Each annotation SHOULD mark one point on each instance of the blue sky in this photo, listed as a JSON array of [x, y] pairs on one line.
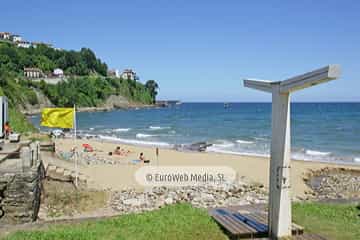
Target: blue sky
[[200, 50]]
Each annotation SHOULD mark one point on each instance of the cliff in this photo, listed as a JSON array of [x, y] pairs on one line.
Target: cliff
[[86, 83]]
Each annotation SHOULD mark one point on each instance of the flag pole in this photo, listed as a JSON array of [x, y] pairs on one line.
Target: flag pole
[[75, 153]]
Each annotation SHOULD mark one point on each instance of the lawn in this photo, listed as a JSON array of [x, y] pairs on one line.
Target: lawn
[[173, 222], [333, 221], [185, 222]]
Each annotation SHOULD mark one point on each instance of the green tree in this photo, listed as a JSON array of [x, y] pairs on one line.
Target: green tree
[[152, 86]]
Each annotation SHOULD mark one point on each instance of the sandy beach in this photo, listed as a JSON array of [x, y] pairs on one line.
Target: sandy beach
[[120, 176]]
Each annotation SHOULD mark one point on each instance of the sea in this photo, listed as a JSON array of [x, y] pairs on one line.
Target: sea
[[325, 132]]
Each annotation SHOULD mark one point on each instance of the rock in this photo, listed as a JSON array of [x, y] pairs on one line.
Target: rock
[[202, 196], [169, 201], [334, 183], [207, 197], [133, 202]]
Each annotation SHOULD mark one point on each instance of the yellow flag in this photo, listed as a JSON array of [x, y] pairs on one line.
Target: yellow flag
[[57, 117]]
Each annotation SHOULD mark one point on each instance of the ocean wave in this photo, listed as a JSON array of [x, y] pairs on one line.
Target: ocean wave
[[91, 129], [262, 138], [142, 135], [244, 141], [357, 159], [121, 129], [134, 142], [219, 150], [155, 128], [317, 153], [223, 144]]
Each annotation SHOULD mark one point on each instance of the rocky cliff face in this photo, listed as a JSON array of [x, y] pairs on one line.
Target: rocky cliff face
[[118, 101], [43, 101]]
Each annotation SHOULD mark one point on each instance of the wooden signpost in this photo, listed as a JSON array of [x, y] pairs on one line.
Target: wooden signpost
[[279, 182]]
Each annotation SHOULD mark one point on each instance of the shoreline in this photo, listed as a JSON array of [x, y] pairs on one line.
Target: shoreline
[[121, 176], [97, 109], [164, 145]]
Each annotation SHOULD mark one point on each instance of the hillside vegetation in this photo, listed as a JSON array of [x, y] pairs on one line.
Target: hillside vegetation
[[79, 63], [86, 85]]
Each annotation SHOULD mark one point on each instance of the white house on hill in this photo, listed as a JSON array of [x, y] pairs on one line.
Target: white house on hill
[[23, 44], [16, 38], [5, 35], [33, 73], [58, 72], [128, 74], [114, 73]]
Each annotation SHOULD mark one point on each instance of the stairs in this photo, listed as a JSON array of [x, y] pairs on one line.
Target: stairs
[[62, 174]]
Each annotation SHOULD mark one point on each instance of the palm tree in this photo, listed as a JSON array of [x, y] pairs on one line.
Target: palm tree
[[152, 86]]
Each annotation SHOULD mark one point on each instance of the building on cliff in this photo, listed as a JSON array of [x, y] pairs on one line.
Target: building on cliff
[[129, 74], [5, 35], [33, 73]]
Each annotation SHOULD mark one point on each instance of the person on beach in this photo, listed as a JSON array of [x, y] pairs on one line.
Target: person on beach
[[118, 151], [7, 129], [142, 158], [121, 151]]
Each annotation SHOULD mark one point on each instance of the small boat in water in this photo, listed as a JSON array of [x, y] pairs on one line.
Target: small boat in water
[[226, 105]]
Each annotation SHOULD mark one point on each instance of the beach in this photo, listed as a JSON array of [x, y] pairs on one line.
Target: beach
[[117, 177]]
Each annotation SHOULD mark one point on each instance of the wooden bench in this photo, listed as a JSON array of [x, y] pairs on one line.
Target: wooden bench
[[245, 224], [250, 222]]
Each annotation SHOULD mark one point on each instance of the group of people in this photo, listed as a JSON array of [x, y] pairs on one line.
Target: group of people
[[123, 152]]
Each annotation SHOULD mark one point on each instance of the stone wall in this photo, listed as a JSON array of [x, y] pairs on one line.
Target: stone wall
[[20, 187]]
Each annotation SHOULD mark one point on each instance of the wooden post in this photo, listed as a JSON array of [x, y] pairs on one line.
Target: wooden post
[[279, 217]]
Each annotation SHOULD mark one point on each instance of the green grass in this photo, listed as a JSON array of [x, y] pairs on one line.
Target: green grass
[[185, 222], [334, 221], [173, 222], [19, 123]]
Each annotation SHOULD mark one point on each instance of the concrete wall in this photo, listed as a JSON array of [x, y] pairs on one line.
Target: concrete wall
[[20, 186]]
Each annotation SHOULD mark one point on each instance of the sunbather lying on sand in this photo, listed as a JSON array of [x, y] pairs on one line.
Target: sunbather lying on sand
[[119, 151]]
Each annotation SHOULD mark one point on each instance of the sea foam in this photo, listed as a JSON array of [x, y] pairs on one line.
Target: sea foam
[[223, 144], [317, 153], [244, 141], [134, 142], [243, 153], [142, 135], [154, 128], [121, 129]]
